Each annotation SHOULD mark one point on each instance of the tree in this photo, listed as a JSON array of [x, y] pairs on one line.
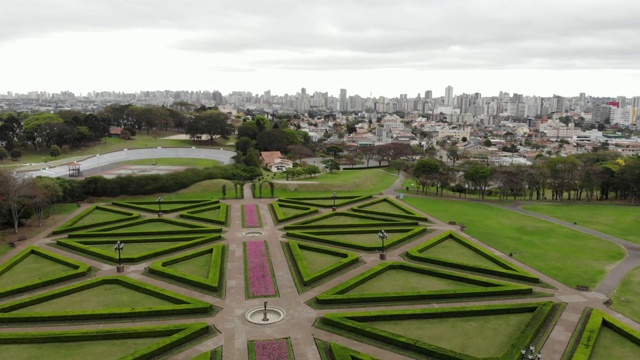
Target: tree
[[16, 191], [453, 154], [4, 154], [243, 145], [125, 135], [398, 165], [464, 139], [45, 192], [298, 151], [487, 143], [54, 151], [426, 171], [334, 150], [331, 165], [311, 170], [16, 154], [478, 175], [249, 130], [212, 123], [272, 140]]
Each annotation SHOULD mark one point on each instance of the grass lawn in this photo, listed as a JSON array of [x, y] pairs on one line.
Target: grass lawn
[[626, 298], [77, 350], [339, 219], [98, 216], [384, 207], [4, 248], [611, 345], [454, 251], [33, 268], [344, 182], [364, 239], [569, 256], [616, 220], [152, 226], [480, 336], [317, 261], [100, 297], [406, 281], [133, 249], [198, 266], [192, 162]]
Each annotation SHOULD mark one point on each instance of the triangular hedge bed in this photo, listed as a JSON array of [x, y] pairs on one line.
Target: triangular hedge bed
[[505, 268], [349, 220], [301, 268], [181, 304], [331, 237], [333, 351], [325, 201], [167, 206], [76, 269], [294, 211], [197, 214], [72, 225], [181, 227], [397, 209]]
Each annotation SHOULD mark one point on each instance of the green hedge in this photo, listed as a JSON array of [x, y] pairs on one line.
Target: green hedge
[[338, 294], [508, 269], [213, 282], [69, 225], [78, 269], [186, 227], [182, 305], [222, 219], [355, 325], [376, 221], [152, 205], [586, 334], [313, 200], [303, 271], [319, 236], [176, 335], [186, 241], [281, 217], [333, 351], [215, 354], [407, 213]]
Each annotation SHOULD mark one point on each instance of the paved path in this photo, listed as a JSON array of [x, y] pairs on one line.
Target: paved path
[[298, 324]]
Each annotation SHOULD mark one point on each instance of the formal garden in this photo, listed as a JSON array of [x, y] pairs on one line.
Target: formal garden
[[314, 275]]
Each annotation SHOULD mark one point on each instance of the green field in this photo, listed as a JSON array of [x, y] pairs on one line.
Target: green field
[[191, 162], [567, 255], [610, 345], [99, 216], [626, 298], [133, 249], [317, 261], [480, 336], [406, 281], [33, 268], [198, 266], [615, 220], [109, 296], [454, 251], [344, 182], [78, 350]]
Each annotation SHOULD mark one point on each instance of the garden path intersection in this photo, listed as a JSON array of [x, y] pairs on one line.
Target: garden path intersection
[[236, 331]]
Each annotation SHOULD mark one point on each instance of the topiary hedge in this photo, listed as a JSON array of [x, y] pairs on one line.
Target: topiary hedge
[[185, 241], [321, 236], [340, 295], [323, 201], [181, 305], [175, 336], [354, 325], [151, 205], [279, 216], [77, 269], [214, 280], [222, 219], [215, 354], [406, 213], [185, 228], [508, 269], [302, 269], [375, 221], [69, 225]]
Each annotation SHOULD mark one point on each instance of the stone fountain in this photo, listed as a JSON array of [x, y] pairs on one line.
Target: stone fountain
[[265, 315]]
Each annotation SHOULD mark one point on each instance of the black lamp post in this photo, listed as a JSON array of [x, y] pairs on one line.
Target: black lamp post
[[118, 247], [334, 196], [383, 236], [159, 201]]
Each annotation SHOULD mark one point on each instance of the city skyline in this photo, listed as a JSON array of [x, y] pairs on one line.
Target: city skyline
[[369, 48]]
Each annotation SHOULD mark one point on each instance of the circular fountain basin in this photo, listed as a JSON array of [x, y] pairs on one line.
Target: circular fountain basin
[[256, 315], [253, 233]]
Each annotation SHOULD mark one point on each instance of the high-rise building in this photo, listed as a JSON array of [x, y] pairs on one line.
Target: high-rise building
[[343, 100], [448, 96], [428, 95]]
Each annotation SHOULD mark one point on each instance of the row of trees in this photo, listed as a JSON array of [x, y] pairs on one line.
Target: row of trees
[[590, 176]]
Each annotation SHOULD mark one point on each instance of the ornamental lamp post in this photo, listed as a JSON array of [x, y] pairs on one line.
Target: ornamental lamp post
[[118, 247], [334, 196], [159, 201], [382, 235]]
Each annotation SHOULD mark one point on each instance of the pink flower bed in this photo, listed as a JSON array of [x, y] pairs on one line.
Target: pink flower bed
[[271, 350], [251, 218], [259, 269]]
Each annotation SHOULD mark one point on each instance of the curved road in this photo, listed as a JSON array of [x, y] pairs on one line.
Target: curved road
[[96, 161]]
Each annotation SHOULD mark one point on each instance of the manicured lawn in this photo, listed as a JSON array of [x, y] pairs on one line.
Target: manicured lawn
[[342, 220], [615, 220], [384, 207], [133, 249], [364, 239], [454, 251], [4, 248], [569, 256], [152, 226], [98, 216], [210, 214], [406, 281], [79, 350], [480, 336], [610, 345], [287, 211], [344, 182], [33, 268], [194, 162], [626, 298], [318, 261], [100, 297], [198, 266]]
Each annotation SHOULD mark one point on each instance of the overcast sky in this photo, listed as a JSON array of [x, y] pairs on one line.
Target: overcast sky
[[365, 46]]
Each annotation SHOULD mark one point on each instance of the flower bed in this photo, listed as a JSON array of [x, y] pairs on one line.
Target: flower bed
[[259, 279], [251, 216], [276, 349]]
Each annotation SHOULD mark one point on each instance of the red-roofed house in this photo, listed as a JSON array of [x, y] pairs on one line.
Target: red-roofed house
[[275, 162]]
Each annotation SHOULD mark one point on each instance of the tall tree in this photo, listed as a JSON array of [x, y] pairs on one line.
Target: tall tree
[[212, 123], [479, 175], [16, 191]]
